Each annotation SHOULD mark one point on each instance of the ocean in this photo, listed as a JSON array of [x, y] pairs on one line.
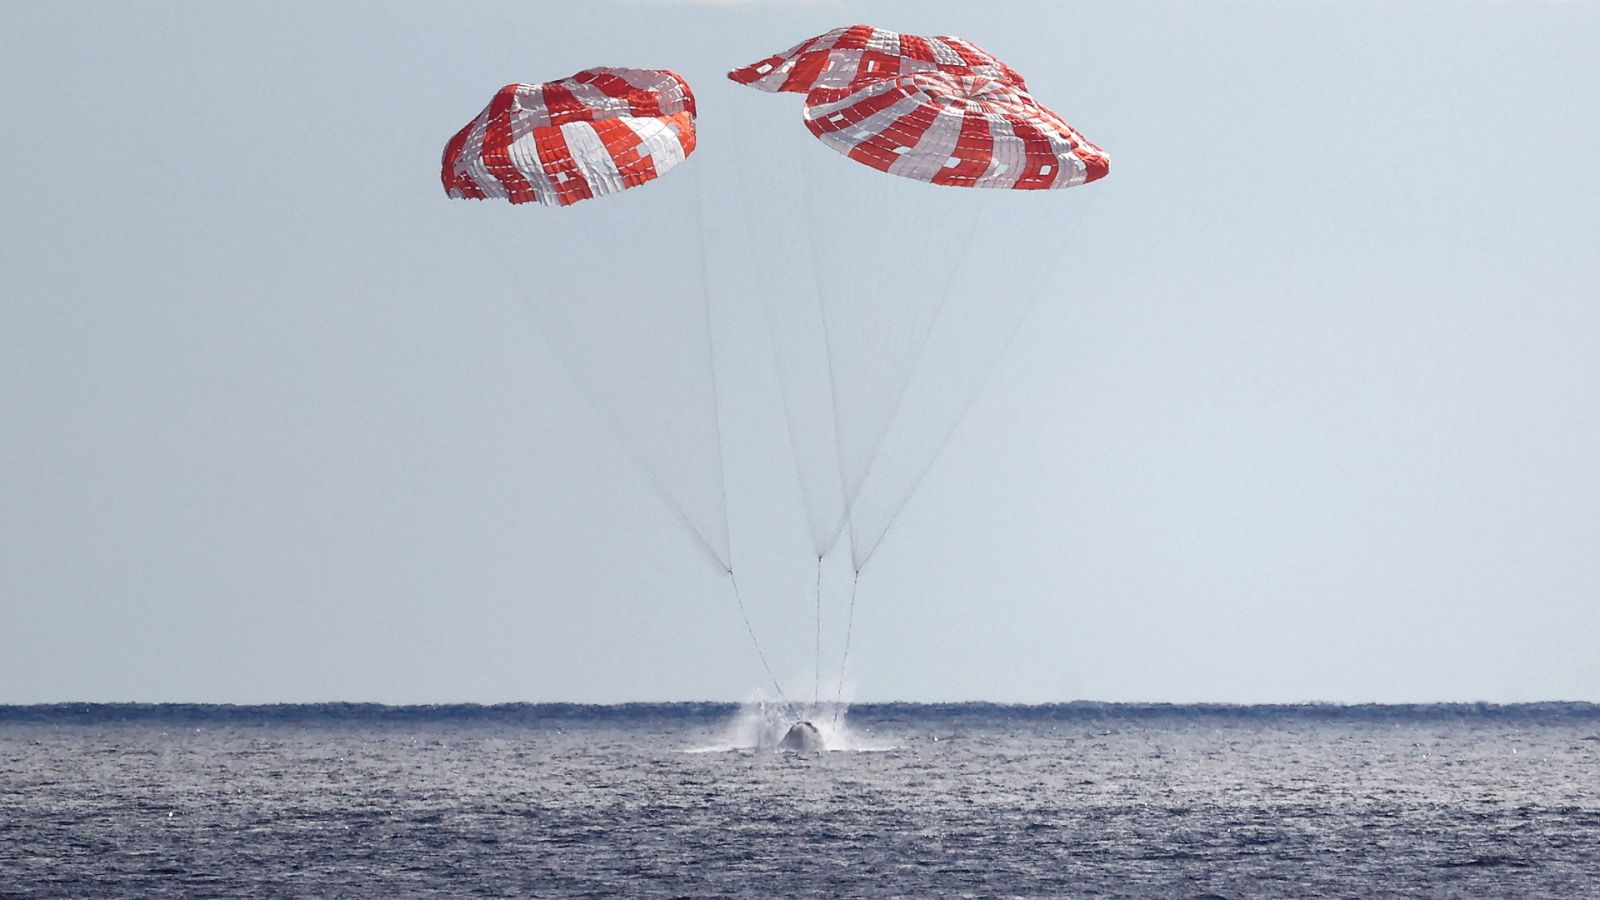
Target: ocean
[[695, 800]]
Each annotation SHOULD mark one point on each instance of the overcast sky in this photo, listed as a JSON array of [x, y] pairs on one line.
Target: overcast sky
[[1310, 412]]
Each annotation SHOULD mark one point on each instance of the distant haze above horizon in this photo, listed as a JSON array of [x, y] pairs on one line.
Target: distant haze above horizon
[[1311, 411]]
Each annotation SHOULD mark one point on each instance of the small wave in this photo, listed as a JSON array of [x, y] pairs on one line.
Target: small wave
[[1485, 862]]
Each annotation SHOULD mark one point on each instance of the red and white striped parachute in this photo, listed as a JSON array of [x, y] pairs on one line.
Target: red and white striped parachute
[[857, 53], [961, 130], [598, 132], [940, 110], [642, 366], [877, 371]]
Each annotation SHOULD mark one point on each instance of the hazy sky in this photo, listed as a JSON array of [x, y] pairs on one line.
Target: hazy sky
[[1315, 415]]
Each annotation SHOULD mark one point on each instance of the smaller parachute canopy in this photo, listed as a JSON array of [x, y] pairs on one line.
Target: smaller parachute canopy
[[858, 53], [600, 131], [959, 130]]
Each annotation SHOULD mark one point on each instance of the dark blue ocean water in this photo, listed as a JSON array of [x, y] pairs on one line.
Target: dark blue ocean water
[[693, 800]]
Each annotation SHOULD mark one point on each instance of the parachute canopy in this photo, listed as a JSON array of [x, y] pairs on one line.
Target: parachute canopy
[[962, 130], [940, 110], [601, 131], [636, 344], [845, 56]]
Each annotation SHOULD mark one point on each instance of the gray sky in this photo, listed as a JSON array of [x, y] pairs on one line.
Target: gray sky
[[1312, 412]]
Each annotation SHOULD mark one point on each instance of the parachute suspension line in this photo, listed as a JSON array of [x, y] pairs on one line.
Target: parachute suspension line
[[716, 414], [711, 356], [816, 688], [853, 493], [608, 421], [788, 425], [1011, 338], [833, 386], [849, 629], [743, 152], [750, 629]]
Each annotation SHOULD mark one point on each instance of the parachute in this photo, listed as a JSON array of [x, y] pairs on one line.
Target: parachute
[[636, 344], [960, 130], [605, 131], [939, 110], [598, 132], [913, 293]]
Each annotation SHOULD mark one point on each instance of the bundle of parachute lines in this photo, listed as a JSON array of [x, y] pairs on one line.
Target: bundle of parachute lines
[[934, 109]]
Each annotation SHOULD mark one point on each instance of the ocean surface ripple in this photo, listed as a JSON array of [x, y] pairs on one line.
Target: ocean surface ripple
[[694, 800]]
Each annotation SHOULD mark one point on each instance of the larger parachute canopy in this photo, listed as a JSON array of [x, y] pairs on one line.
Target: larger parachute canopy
[[961, 130], [598, 132], [940, 110], [857, 53]]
